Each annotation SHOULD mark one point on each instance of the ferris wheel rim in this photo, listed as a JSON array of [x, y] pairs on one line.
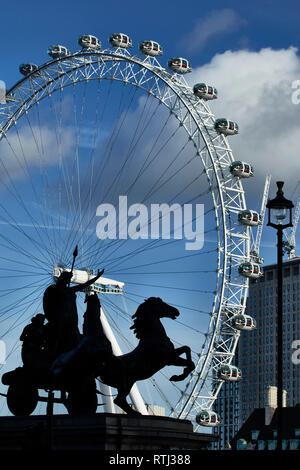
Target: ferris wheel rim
[[175, 84]]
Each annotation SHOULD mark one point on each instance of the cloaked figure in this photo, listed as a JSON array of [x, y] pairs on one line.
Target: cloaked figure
[[59, 303], [94, 350], [33, 341]]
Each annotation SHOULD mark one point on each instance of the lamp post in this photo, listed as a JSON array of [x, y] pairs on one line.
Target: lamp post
[[279, 209]]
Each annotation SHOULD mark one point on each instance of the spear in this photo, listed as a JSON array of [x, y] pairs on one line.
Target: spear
[[75, 253]]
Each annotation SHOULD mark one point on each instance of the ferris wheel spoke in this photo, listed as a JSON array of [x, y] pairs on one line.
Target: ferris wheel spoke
[[145, 160], [97, 125], [172, 287], [37, 226], [66, 197], [27, 302], [151, 246], [9, 220], [153, 242], [146, 164], [6, 292], [138, 296], [26, 171], [44, 215], [19, 315], [108, 152], [113, 243], [19, 249]]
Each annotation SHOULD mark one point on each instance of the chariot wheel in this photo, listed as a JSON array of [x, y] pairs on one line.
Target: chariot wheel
[[112, 152], [22, 399]]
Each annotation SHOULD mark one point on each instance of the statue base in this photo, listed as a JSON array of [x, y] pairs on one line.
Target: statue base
[[100, 432]]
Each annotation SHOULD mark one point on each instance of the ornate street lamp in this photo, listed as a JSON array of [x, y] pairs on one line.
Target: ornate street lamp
[[280, 211]]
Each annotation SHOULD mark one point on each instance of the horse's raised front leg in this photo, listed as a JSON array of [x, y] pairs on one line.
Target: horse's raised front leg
[[187, 363]]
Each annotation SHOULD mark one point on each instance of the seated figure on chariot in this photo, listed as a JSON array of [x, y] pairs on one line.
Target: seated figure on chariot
[[33, 340]]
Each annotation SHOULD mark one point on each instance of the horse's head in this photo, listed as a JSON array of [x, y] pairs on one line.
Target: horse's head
[[159, 308], [92, 305], [147, 316], [92, 322]]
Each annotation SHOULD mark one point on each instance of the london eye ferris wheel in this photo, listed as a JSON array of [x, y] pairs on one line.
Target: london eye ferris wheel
[[100, 126]]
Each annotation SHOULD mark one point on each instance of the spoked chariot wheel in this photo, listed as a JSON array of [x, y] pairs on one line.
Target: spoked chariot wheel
[[112, 152]]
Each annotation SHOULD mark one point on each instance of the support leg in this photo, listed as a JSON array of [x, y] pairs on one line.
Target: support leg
[[50, 418]]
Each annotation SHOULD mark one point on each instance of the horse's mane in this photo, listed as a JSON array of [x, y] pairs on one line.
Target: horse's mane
[[140, 316]]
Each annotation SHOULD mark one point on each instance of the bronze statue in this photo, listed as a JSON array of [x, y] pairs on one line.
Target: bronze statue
[[42, 344], [57, 357], [154, 351]]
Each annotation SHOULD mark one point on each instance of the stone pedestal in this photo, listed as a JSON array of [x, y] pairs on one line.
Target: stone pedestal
[[101, 432]]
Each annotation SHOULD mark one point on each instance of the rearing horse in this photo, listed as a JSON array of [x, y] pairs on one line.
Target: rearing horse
[[154, 351]]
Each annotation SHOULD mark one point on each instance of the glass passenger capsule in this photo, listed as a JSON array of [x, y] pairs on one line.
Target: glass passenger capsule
[[10, 97], [249, 217], [229, 373], [89, 42], [252, 270], [226, 127], [151, 48], [207, 418], [120, 40], [241, 169], [179, 65], [205, 92], [26, 69], [243, 322], [58, 51]]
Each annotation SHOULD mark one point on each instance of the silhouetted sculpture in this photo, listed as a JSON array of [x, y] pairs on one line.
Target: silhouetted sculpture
[[33, 340], [154, 351], [59, 303], [57, 357], [42, 344]]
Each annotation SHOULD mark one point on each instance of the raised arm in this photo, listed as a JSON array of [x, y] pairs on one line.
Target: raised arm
[[80, 287]]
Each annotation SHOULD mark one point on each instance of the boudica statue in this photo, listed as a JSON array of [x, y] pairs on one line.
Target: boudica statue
[[57, 357]]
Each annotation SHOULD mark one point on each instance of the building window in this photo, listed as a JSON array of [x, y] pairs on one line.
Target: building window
[[269, 275], [286, 272], [261, 445], [296, 270], [254, 435], [294, 443]]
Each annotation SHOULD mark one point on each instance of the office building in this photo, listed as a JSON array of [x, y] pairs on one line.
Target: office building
[[258, 348], [257, 351]]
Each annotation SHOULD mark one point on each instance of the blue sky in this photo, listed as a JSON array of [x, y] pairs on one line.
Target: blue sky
[[199, 32], [249, 52], [27, 29]]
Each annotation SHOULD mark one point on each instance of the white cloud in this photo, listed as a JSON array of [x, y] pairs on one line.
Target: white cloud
[[217, 22], [255, 89], [31, 147]]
